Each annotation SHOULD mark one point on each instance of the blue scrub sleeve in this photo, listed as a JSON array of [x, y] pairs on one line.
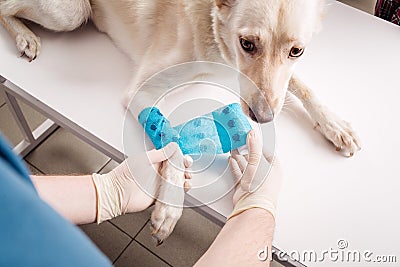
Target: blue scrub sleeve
[[32, 233]]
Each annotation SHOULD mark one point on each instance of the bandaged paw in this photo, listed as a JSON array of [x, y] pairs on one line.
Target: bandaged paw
[[215, 133]]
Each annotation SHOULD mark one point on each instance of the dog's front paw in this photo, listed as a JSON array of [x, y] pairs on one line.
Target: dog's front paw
[[163, 220], [171, 195], [28, 44], [339, 132]]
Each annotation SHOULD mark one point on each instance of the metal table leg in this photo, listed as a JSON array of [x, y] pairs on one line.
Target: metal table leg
[[31, 138]]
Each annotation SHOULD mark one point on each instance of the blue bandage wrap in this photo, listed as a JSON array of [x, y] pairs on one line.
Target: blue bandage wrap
[[217, 132]]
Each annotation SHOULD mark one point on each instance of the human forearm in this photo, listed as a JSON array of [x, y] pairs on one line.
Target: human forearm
[[240, 240], [74, 197], [96, 198]]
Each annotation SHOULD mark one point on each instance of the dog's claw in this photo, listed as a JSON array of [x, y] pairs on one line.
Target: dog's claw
[[159, 242], [338, 132], [163, 221], [28, 44], [155, 237]]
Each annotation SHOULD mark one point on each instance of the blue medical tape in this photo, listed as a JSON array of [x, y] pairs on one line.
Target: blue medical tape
[[217, 132]]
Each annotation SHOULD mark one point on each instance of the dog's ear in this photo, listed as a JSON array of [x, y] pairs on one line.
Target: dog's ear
[[224, 3]]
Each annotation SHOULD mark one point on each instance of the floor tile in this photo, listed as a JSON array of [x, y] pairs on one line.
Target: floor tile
[[108, 238], [10, 129], [132, 223], [276, 264], [191, 238], [2, 101], [33, 170], [137, 255], [364, 5], [63, 153], [33, 117], [109, 167]]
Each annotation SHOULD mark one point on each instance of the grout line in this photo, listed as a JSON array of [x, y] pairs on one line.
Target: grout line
[[104, 165], [146, 247], [28, 163], [122, 252], [143, 246], [41, 143], [133, 239], [141, 229], [122, 230]]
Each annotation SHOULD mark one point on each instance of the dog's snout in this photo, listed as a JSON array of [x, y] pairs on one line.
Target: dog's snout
[[264, 118]]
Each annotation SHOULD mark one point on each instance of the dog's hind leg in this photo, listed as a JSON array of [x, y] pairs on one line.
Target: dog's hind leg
[[334, 129], [56, 15]]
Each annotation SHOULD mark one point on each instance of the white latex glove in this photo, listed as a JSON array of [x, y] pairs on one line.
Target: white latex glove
[[132, 186], [260, 178]]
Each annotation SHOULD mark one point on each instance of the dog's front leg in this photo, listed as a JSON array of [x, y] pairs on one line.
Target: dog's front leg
[[171, 193], [27, 42], [336, 130]]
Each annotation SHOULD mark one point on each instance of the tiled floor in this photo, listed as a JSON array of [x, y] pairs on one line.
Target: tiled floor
[[2, 101], [125, 240]]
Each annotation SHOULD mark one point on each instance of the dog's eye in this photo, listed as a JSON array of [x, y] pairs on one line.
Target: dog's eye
[[296, 52], [247, 45]]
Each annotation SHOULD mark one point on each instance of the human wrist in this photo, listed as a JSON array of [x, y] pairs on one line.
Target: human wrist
[[108, 200], [260, 216], [253, 201]]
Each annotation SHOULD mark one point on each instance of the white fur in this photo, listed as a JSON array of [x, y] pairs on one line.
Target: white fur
[[160, 33]]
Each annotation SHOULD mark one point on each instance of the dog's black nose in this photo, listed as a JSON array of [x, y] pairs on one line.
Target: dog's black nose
[[252, 115], [267, 117]]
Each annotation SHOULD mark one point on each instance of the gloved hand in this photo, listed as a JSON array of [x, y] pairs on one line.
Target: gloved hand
[[260, 178], [132, 186]]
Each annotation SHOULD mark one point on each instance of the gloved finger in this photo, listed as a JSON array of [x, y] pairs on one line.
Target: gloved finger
[[235, 152], [163, 153], [254, 144], [187, 186], [188, 161], [235, 169], [241, 161], [268, 156]]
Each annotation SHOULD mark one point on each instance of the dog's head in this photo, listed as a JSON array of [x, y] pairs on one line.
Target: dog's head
[[264, 39]]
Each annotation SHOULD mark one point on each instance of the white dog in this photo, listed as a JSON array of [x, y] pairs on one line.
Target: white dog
[[261, 38]]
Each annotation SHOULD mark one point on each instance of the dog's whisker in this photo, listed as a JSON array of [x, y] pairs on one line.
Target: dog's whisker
[[286, 109]]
